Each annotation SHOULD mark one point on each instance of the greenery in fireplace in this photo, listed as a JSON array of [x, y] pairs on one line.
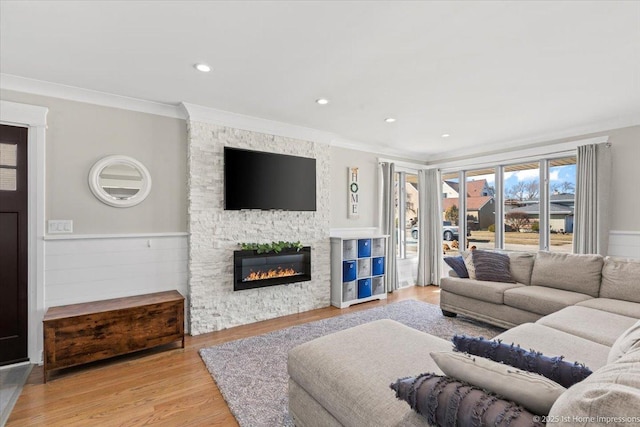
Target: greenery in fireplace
[[277, 247]]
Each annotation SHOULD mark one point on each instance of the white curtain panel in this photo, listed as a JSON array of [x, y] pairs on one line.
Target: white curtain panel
[[592, 206], [430, 228], [387, 222]]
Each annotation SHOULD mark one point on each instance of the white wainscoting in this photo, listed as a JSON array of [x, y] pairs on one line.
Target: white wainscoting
[[89, 268], [624, 244]]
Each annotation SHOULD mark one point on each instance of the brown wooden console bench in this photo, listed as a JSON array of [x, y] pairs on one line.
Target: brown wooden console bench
[[82, 333]]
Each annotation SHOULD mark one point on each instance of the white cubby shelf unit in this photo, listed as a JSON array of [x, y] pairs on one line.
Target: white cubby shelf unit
[[358, 269]]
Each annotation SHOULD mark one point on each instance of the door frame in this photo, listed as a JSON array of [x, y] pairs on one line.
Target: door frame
[[35, 119]]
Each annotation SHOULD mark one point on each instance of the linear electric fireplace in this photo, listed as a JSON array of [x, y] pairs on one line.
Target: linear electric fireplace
[[252, 270]]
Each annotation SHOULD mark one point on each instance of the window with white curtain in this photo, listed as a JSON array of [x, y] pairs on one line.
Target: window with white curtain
[[531, 201]]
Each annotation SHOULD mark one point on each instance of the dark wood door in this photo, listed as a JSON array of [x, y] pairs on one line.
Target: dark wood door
[[13, 244]]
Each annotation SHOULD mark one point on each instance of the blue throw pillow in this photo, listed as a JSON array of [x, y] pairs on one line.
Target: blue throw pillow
[[555, 368], [457, 264], [492, 266]]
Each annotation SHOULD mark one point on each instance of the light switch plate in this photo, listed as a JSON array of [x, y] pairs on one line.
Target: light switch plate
[[57, 226]]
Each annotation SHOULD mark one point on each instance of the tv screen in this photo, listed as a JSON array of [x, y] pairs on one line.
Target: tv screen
[[259, 180]]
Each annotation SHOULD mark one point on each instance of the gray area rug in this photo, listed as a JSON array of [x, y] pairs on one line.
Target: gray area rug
[[252, 374]]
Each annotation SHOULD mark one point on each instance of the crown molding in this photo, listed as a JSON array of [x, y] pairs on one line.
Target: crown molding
[[199, 113], [192, 112], [72, 93], [548, 139], [566, 148]]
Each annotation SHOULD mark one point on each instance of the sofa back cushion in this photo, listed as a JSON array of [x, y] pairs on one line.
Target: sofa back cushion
[[570, 272], [521, 266], [610, 395], [628, 341], [621, 279]]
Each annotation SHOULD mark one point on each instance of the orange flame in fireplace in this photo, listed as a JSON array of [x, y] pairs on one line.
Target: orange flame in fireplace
[[261, 275]]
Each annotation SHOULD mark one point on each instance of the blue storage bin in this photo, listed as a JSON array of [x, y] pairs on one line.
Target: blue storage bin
[[349, 271], [364, 288], [364, 248], [378, 266]]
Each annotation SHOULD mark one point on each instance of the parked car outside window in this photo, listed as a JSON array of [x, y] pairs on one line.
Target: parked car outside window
[[449, 232]]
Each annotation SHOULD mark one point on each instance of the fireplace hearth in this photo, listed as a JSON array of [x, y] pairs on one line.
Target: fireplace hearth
[[253, 270]]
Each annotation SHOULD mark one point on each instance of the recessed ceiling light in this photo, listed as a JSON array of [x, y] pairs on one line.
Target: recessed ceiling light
[[202, 67], [389, 120], [322, 101], [445, 135]]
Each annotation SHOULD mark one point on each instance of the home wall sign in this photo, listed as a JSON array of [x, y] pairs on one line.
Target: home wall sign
[[353, 192]]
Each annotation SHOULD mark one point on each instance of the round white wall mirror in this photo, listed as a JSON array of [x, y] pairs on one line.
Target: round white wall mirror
[[120, 181]]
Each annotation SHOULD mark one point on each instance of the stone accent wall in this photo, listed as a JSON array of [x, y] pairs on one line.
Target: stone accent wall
[[215, 233]]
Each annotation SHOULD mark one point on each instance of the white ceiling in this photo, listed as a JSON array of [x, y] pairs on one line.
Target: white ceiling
[[491, 74]]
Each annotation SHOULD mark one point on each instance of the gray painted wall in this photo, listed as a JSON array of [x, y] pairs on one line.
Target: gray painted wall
[[79, 134], [341, 160], [625, 197]]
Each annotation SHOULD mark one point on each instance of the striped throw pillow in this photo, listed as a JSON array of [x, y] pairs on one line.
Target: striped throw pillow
[[492, 266]]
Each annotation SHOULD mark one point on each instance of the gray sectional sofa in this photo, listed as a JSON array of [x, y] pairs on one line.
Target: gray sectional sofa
[[584, 307], [545, 283]]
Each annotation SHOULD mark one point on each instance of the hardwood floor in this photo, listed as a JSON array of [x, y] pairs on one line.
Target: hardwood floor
[[171, 387]]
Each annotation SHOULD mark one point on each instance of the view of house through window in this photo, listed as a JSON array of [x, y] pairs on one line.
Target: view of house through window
[[480, 206], [562, 196], [411, 215], [450, 213], [406, 214], [521, 197], [407, 226]]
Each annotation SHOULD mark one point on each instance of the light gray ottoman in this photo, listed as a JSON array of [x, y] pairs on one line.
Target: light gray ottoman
[[343, 378]]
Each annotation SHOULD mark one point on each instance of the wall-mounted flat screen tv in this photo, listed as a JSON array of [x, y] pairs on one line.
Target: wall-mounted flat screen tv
[[259, 180]]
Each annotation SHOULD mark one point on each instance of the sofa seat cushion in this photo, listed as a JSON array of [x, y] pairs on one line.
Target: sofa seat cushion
[[541, 300], [624, 308], [595, 325], [609, 393], [348, 372], [552, 342], [478, 289], [570, 272]]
